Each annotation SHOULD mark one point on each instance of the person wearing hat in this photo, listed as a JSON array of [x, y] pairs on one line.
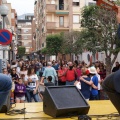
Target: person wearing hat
[[94, 78], [5, 87], [91, 73]]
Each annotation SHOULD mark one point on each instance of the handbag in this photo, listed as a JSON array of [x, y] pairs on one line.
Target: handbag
[[77, 84]]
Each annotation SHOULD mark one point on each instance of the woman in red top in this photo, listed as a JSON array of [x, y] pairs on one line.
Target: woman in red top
[[61, 75], [70, 74]]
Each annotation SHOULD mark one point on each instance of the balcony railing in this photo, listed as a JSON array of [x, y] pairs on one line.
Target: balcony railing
[[56, 25], [62, 7], [51, 7], [54, 7]]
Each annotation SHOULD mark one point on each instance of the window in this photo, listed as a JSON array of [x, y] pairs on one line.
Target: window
[[91, 3], [25, 37], [42, 44], [61, 21], [12, 15], [76, 19], [76, 2], [28, 23], [26, 31]]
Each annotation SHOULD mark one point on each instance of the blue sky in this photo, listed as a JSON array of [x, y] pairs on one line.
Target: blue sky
[[22, 6]]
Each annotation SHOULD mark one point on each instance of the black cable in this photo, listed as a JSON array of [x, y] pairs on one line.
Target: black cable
[[108, 116], [15, 112]]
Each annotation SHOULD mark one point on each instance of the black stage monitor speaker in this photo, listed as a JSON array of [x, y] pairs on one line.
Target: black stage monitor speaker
[[6, 107], [61, 101]]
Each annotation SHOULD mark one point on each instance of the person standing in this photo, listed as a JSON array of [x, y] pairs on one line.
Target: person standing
[[94, 78], [117, 67], [20, 90], [49, 71], [32, 84], [61, 76], [86, 83], [70, 74]]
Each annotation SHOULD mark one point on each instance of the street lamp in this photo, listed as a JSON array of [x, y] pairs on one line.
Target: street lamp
[[3, 11]]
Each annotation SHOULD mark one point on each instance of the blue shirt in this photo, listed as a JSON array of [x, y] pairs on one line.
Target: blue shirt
[[85, 88], [95, 82], [56, 67]]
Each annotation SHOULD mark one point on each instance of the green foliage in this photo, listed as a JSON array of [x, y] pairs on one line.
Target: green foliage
[[100, 29], [44, 51], [21, 51], [69, 45], [53, 44], [102, 26]]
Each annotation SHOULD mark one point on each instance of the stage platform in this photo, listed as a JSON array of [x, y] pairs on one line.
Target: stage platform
[[34, 111]]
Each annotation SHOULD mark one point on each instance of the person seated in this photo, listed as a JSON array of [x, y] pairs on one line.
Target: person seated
[[49, 83]]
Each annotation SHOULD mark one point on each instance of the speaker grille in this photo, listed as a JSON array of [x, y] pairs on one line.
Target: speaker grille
[[67, 97]]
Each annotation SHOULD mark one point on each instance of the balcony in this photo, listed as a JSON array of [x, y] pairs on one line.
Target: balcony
[[50, 25], [20, 43], [62, 9], [19, 37], [58, 8], [50, 7], [57, 25]]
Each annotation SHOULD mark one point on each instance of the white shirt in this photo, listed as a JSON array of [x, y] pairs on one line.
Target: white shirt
[[23, 72], [98, 76], [34, 78]]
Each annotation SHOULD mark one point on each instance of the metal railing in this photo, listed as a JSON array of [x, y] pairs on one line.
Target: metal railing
[[62, 7], [53, 7], [53, 25]]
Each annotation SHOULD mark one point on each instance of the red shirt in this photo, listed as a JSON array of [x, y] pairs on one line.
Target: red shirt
[[70, 75], [62, 78]]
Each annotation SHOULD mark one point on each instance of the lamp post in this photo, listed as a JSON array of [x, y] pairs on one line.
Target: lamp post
[[3, 11]]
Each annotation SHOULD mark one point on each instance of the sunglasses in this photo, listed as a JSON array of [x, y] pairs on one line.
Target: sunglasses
[[13, 70]]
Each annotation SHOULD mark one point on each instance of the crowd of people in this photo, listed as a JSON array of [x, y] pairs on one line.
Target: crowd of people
[[28, 77]]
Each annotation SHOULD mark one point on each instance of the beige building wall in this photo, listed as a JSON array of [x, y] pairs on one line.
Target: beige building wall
[[48, 15], [25, 35]]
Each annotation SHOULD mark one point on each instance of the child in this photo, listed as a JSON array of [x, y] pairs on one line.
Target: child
[[12, 92], [20, 91], [49, 83]]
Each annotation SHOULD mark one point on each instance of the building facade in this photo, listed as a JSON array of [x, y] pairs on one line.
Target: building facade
[[11, 25], [25, 32], [55, 16]]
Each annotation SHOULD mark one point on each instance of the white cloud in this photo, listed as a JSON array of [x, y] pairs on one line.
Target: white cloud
[[22, 6]]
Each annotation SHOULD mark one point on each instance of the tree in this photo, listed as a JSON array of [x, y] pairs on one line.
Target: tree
[[53, 44], [21, 51], [44, 51], [69, 45], [101, 27]]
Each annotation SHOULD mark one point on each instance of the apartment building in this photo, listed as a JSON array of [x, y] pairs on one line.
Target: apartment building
[[11, 25], [55, 16], [25, 31]]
